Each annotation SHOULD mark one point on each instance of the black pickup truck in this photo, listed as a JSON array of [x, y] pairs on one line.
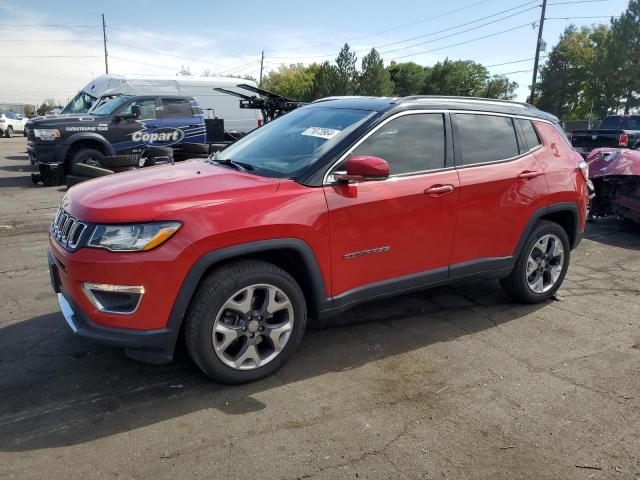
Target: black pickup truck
[[617, 131]]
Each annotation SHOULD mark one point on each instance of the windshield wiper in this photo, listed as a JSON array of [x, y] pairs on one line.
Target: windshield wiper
[[243, 167]]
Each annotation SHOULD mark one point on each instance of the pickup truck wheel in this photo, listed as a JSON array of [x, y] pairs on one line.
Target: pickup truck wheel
[[541, 265], [9, 132], [244, 321], [87, 156]]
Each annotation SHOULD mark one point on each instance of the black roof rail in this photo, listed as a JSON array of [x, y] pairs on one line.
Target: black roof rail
[[461, 99]]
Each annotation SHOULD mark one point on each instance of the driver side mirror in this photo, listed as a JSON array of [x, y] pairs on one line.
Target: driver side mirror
[[361, 168]]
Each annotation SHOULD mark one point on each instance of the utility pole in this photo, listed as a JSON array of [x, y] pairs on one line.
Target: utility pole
[[261, 65], [104, 39], [535, 63]]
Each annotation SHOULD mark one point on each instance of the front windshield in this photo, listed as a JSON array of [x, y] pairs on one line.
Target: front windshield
[[290, 143], [111, 106], [81, 103]]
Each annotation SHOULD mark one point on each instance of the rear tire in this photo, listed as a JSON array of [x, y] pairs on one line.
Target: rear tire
[[87, 156], [541, 266], [9, 132], [244, 321]]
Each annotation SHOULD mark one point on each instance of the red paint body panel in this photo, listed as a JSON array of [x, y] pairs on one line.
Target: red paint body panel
[[395, 213], [160, 271], [560, 163], [495, 206], [605, 162], [154, 193]]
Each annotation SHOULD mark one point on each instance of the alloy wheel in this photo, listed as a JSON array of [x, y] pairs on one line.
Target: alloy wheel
[[252, 327], [544, 264]]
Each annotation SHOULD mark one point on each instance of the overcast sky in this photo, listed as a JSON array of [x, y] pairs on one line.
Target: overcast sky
[[51, 49]]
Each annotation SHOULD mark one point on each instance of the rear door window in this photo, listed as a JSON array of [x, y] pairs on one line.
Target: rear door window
[[147, 108], [485, 138], [410, 143], [530, 134], [176, 108]]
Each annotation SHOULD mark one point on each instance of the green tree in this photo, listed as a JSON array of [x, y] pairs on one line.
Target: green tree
[[625, 49], [374, 79], [294, 81], [29, 110], [44, 109], [346, 77], [499, 86], [460, 77], [408, 78], [324, 81], [565, 76]]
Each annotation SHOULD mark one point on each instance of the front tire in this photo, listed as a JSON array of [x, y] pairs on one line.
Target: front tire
[[541, 266], [87, 156], [244, 321]]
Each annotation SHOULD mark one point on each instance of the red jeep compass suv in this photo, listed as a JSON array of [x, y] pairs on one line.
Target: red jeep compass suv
[[339, 202]]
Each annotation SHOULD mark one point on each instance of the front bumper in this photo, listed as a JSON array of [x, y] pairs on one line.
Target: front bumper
[[46, 153], [146, 334], [153, 346]]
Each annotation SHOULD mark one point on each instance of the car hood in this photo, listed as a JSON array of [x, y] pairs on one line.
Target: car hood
[[40, 122], [157, 192]]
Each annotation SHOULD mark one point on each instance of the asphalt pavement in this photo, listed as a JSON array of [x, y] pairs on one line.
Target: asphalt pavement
[[451, 383]]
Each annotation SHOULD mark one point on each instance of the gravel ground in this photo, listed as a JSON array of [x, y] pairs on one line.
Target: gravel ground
[[454, 383]]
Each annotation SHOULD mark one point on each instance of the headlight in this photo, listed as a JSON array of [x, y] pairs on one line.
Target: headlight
[[132, 237], [48, 134]]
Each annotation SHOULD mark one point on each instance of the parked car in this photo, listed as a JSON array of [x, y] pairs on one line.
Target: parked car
[[620, 131], [11, 123], [616, 178], [342, 201], [124, 125]]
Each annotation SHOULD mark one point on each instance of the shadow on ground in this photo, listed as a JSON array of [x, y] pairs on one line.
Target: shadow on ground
[[57, 390], [613, 232]]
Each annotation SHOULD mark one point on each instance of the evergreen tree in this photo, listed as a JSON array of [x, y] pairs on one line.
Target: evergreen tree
[[324, 81], [346, 74], [374, 79]]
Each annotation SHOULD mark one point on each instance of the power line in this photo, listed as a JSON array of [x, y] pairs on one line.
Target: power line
[[578, 1], [145, 63], [173, 42], [458, 33], [50, 56], [12, 25], [465, 42], [468, 23], [391, 29], [49, 41], [517, 71], [571, 18], [433, 33], [164, 53], [510, 63]]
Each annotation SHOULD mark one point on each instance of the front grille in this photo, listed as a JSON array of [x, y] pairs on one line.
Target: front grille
[[67, 230]]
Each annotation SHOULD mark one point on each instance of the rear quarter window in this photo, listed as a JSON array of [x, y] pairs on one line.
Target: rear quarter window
[[485, 138], [530, 134]]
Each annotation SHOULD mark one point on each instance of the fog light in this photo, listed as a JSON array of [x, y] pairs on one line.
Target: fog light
[[123, 299]]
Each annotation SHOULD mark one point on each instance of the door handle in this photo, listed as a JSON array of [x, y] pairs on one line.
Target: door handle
[[528, 174], [439, 190]]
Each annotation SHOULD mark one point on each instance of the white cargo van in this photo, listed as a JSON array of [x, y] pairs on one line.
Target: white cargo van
[[214, 104]]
